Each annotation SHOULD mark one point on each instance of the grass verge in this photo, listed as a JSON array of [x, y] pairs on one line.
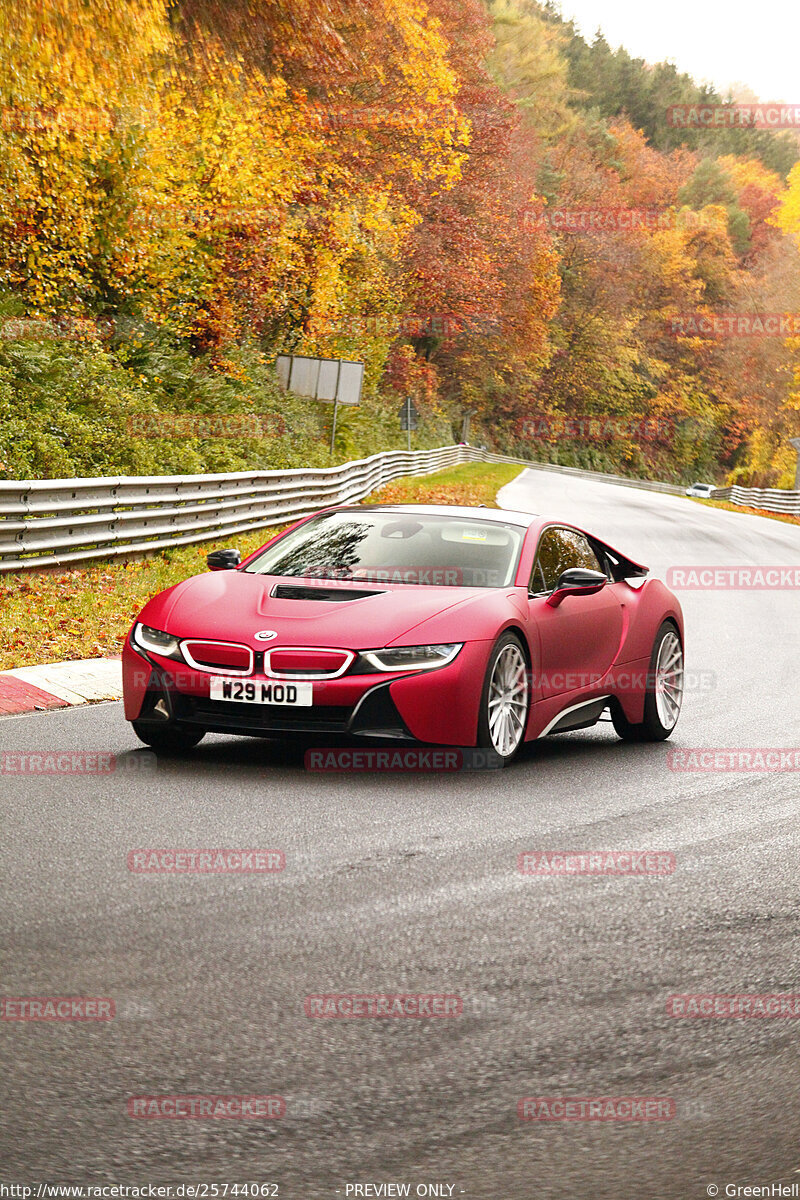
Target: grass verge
[[753, 512], [85, 612]]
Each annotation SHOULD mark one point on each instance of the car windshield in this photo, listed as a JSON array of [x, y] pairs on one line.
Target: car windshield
[[387, 547]]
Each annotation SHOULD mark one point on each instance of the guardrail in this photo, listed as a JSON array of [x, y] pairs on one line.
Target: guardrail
[[54, 522], [770, 499], [672, 489]]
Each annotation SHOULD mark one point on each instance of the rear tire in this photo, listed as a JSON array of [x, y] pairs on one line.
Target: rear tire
[[505, 700], [664, 694], [167, 740]]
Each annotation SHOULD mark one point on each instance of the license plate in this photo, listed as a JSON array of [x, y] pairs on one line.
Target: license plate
[[261, 691]]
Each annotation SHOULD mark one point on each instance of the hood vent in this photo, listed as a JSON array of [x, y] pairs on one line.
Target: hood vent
[[291, 591]]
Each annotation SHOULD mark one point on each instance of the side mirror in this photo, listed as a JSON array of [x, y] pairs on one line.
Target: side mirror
[[223, 560], [577, 581]]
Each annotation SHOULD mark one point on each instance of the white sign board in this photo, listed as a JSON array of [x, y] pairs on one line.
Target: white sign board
[[328, 380], [335, 379]]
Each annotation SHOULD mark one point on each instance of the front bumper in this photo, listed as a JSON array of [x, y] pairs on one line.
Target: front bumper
[[438, 707]]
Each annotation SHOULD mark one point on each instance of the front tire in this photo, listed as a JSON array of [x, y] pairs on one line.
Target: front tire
[[167, 739], [505, 699], [664, 693]]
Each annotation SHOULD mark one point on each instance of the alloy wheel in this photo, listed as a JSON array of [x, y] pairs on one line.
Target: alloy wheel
[[508, 700], [669, 680]]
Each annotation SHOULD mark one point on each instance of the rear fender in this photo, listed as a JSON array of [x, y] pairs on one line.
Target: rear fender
[[648, 606]]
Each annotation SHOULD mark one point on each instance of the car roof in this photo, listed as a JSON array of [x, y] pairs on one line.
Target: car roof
[[507, 515]]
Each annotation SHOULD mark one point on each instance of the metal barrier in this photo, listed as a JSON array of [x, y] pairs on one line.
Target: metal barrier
[[54, 522], [672, 489], [770, 499]]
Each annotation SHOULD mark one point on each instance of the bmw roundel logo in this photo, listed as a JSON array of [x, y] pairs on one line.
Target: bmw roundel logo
[[265, 635]]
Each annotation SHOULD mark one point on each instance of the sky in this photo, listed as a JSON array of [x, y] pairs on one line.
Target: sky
[[726, 44]]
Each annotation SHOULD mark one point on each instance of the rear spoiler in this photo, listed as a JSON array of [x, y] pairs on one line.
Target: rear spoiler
[[621, 567]]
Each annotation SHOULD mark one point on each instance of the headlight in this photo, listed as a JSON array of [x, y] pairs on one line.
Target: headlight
[[157, 642], [414, 658]]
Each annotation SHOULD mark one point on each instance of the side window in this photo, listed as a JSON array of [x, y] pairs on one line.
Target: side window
[[559, 550], [581, 551], [547, 567]]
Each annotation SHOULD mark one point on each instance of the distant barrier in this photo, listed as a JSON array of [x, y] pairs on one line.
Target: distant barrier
[[672, 489], [770, 499], [55, 522]]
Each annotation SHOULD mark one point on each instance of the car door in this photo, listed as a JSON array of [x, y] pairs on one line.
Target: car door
[[579, 639]]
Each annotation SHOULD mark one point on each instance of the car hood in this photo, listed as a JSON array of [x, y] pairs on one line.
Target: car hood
[[235, 605]]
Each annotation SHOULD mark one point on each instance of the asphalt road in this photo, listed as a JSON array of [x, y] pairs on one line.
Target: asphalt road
[[408, 883]]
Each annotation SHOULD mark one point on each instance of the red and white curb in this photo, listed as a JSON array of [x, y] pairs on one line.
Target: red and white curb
[[60, 685]]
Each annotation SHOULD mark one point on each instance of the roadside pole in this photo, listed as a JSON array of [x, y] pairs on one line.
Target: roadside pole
[[408, 418], [795, 442], [336, 405], [333, 428]]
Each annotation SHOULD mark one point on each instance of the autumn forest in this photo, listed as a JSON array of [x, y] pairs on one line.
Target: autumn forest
[[501, 219]]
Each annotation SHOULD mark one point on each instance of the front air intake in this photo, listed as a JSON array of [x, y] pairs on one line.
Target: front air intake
[[306, 662], [219, 658], [291, 591]]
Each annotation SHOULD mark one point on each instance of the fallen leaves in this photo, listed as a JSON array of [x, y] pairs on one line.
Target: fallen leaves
[[86, 612]]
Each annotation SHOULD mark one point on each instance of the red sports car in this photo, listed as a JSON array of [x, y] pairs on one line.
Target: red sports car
[[444, 625]]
